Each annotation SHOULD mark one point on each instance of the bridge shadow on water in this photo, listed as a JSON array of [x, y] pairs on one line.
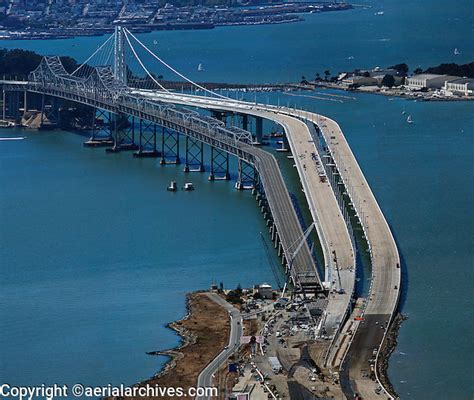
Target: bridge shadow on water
[[404, 284]]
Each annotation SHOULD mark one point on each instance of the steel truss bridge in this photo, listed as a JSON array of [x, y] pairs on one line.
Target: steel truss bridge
[[117, 86]]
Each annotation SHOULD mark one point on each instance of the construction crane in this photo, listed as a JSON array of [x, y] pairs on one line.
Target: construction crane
[[294, 253], [271, 261]]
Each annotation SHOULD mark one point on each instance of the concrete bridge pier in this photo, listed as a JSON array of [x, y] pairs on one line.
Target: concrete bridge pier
[[245, 122], [124, 133], [169, 147], [258, 130], [219, 165], [11, 105], [194, 161], [246, 179], [147, 140], [50, 111], [101, 134]]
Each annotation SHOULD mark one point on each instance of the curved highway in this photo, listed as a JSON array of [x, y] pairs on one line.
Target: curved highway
[[386, 275]]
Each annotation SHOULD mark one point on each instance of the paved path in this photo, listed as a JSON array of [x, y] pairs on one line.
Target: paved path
[[207, 374]]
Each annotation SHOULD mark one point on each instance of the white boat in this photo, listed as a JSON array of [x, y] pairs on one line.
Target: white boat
[[155, 42], [200, 67], [410, 120], [188, 186], [379, 13], [456, 52]]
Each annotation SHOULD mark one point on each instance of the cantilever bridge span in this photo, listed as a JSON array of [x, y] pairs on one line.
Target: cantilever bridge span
[[102, 91]]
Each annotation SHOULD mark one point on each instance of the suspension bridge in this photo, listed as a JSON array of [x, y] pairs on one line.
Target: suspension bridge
[[132, 109]]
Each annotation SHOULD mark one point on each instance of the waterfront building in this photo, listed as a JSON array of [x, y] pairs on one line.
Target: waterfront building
[[360, 80], [429, 81], [463, 86], [265, 291]]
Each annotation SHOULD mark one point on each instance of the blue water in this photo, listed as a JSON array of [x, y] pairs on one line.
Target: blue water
[[96, 256]]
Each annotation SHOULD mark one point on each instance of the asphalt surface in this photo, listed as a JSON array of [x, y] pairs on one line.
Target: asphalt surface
[[386, 274], [283, 212], [205, 378]]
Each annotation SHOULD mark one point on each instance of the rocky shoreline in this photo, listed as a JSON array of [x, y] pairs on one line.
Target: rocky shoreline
[[204, 331], [389, 345], [187, 338]]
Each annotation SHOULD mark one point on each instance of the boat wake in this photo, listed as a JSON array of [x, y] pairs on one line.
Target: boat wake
[[7, 139]]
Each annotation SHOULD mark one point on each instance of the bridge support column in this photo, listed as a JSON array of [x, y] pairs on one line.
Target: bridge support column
[[169, 147], [101, 134], [50, 111], [219, 165], [258, 129], [11, 105], [245, 122], [124, 133], [194, 155], [220, 115], [246, 176], [146, 140], [277, 240]]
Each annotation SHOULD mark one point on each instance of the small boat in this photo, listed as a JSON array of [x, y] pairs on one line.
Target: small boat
[[410, 120], [404, 112], [456, 52], [350, 57], [188, 186], [379, 13], [172, 187], [200, 67], [155, 42]]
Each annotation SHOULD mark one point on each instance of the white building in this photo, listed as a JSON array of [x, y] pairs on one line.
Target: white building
[[429, 81], [360, 80], [464, 86], [265, 291]]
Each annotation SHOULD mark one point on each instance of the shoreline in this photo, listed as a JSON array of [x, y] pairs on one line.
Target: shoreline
[[203, 331], [388, 347]]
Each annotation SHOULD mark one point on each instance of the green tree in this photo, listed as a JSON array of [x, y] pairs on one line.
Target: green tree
[[402, 69], [388, 81], [417, 71]]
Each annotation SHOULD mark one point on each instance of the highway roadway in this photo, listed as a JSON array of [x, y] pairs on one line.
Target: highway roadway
[[384, 293], [331, 227], [386, 274], [206, 376]]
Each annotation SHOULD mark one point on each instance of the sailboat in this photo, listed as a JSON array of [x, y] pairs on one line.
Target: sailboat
[[200, 67], [456, 52], [410, 120]]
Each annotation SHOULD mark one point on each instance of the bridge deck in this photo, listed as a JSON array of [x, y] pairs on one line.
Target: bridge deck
[[386, 273], [330, 224]]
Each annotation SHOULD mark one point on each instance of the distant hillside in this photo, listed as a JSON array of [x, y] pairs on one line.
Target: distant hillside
[[20, 63], [453, 69]]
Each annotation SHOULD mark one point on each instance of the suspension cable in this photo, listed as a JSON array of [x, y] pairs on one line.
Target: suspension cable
[[141, 63], [173, 70], [93, 54]]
